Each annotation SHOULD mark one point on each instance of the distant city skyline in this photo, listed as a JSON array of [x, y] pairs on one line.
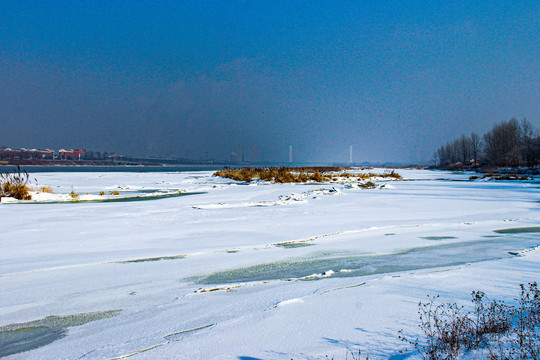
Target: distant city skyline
[[206, 79]]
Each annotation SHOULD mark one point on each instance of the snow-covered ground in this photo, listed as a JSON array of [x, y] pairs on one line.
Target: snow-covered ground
[[261, 271]]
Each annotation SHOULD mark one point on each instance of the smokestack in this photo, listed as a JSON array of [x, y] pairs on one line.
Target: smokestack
[[350, 154], [290, 154]]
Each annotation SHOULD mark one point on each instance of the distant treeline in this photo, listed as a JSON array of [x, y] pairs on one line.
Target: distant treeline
[[512, 143]]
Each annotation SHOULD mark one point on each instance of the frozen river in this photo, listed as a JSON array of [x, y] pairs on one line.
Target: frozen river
[[225, 270]]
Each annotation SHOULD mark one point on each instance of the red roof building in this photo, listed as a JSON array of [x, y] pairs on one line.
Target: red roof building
[[74, 154]]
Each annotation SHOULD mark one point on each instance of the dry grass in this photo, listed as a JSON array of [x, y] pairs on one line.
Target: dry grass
[[273, 174], [46, 189], [114, 192], [368, 185], [15, 185], [74, 195], [301, 175], [102, 193], [322, 169], [17, 191], [392, 174]]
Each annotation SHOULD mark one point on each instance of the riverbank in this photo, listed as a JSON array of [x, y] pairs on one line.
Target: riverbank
[[58, 162], [486, 169]]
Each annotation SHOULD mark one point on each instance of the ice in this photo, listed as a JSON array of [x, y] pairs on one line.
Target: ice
[[18, 338], [26, 339], [521, 230], [347, 271], [437, 237], [360, 265], [157, 258]]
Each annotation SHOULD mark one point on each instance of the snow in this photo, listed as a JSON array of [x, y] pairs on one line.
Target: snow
[[266, 271]]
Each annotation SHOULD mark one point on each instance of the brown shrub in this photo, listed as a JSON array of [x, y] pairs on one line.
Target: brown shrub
[[17, 191], [316, 176], [392, 174], [46, 189], [368, 185], [15, 184]]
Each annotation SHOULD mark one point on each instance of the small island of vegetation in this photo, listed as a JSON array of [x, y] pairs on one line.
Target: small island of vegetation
[[316, 174]]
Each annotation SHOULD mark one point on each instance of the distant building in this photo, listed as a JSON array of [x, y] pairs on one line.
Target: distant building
[[73, 154], [42, 153], [26, 154]]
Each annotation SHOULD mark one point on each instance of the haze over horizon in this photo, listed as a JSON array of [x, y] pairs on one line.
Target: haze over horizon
[[203, 79]]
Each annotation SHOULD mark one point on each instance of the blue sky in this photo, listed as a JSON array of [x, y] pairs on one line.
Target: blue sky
[[206, 78]]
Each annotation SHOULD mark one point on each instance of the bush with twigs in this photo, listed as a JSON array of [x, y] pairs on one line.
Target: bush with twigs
[[495, 330]]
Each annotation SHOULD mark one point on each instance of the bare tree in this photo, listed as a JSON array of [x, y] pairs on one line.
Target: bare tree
[[502, 144], [475, 146], [464, 145], [509, 143], [528, 133]]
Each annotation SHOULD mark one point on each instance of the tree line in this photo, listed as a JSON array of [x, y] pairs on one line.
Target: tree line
[[512, 143]]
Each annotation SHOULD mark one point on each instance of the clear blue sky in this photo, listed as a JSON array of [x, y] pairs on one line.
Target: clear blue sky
[[188, 78]]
